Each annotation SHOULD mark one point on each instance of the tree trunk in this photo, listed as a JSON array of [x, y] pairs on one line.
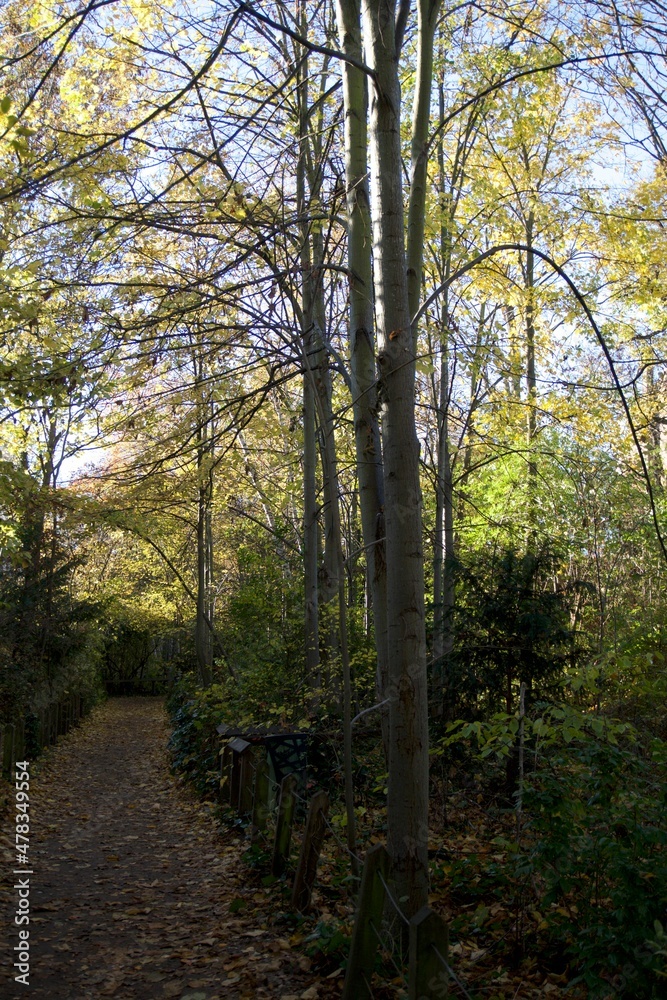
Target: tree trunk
[[407, 804], [531, 386], [310, 508], [362, 342], [310, 548], [330, 471], [443, 547], [204, 619]]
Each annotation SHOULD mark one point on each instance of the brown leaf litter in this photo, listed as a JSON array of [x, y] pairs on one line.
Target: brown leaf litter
[[133, 881]]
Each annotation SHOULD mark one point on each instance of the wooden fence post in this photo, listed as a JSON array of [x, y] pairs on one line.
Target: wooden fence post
[[260, 802], [12, 753], [7, 752], [246, 781], [427, 976], [238, 747], [310, 852], [283, 836], [367, 925], [19, 742], [225, 773]]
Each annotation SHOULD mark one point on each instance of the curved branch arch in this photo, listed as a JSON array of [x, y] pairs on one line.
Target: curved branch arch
[[579, 296]]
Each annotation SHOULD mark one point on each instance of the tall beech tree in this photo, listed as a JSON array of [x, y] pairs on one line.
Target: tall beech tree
[[396, 284]]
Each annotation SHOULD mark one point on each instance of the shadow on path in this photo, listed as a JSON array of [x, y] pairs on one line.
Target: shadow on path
[[132, 884]]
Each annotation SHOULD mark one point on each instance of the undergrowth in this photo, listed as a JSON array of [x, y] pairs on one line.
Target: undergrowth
[[565, 882]]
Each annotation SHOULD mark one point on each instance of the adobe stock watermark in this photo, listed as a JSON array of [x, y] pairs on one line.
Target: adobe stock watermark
[[21, 950]]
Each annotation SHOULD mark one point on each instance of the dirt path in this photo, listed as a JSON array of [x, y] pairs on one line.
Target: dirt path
[[132, 883]]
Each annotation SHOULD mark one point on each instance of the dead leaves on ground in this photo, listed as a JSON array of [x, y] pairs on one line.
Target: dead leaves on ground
[[134, 881]]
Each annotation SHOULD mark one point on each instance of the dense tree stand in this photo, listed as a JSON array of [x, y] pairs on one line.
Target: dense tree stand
[[132, 881]]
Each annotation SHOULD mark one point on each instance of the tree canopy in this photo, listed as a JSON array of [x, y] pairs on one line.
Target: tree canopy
[[333, 360]]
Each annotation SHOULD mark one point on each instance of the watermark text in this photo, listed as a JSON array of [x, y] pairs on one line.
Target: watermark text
[[23, 870]]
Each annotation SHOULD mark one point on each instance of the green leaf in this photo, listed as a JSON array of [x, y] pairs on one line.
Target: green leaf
[[5, 104]]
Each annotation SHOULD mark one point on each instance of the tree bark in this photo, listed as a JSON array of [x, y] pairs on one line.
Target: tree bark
[[203, 634], [407, 803], [310, 507], [531, 385], [362, 341], [444, 540]]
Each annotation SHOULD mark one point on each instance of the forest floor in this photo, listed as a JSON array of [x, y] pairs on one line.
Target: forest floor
[[135, 891]]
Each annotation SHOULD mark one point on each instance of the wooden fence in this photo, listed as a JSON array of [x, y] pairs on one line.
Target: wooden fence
[[51, 722], [428, 971], [246, 787]]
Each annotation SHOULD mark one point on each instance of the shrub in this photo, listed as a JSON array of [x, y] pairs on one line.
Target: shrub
[[593, 843], [509, 625], [597, 819], [194, 742]]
